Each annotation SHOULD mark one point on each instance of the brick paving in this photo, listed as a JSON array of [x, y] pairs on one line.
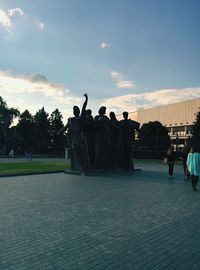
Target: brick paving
[[59, 221]]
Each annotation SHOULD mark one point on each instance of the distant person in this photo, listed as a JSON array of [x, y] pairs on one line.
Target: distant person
[[171, 157], [12, 153], [193, 165], [184, 155], [28, 155]]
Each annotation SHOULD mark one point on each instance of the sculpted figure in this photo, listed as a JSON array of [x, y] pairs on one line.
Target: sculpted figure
[[90, 136], [128, 128], [115, 141], [102, 141], [76, 140]]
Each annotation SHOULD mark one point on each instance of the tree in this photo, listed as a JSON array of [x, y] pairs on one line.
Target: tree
[[25, 131], [42, 138], [57, 141], [196, 131], [7, 116], [154, 136]]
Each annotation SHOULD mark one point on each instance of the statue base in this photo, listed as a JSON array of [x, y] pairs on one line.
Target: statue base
[[103, 172]]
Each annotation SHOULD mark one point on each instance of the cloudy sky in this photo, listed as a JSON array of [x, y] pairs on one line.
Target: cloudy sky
[[127, 55]]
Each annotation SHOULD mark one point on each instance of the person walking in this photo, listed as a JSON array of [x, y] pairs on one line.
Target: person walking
[[28, 154], [193, 165], [184, 155], [171, 157], [12, 153]]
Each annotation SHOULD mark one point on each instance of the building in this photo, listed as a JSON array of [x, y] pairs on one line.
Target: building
[[179, 118]]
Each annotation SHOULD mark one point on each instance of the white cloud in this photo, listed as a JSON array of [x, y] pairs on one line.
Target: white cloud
[[5, 21], [116, 75], [33, 85], [125, 84], [8, 19], [135, 102], [15, 11], [104, 45], [120, 82], [40, 25]]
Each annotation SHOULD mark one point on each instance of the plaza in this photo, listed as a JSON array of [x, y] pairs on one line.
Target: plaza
[[120, 222]]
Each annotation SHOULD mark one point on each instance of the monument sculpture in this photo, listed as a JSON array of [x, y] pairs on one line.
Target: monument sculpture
[[100, 144]]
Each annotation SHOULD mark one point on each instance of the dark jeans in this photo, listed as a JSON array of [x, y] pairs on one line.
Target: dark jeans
[[171, 168], [194, 179]]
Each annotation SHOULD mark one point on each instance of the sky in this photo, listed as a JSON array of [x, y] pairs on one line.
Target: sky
[[126, 55]]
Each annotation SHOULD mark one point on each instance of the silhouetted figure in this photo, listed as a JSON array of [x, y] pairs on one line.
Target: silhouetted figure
[[102, 141], [88, 133], [184, 155], [128, 128], [76, 139], [28, 154], [75, 127], [171, 158], [115, 141], [89, 114], [90, 136]]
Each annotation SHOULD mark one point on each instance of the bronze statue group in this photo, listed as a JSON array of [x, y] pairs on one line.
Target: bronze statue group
[[101, 143]]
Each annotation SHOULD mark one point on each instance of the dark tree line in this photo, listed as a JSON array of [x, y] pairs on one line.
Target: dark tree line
[[196, 131], [36, 133]]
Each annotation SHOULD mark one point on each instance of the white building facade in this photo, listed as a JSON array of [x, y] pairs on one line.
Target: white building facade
[[179, 118]]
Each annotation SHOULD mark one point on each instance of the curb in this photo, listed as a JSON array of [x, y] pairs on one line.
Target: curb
[[102, 172], [29, 173]]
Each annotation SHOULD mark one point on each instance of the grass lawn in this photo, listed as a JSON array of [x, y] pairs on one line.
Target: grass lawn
[[31, 167], [51, 166]]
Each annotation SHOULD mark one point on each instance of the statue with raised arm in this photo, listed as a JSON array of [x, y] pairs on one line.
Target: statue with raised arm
[[76, 142]]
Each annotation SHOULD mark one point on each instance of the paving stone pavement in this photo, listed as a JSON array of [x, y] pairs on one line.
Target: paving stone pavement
[[58, 221]]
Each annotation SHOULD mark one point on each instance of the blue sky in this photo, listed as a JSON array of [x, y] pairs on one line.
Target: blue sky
[[127, 55]]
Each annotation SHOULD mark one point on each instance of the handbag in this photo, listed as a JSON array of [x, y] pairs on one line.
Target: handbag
[[165, 160]]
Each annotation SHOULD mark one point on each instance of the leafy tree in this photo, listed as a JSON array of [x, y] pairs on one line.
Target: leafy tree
[[57, 140], [7, 116], [196, 131], [42, 138], [25, 131], [154, 136]]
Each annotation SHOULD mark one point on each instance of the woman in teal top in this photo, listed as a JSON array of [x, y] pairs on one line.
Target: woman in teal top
[[193, 165]]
